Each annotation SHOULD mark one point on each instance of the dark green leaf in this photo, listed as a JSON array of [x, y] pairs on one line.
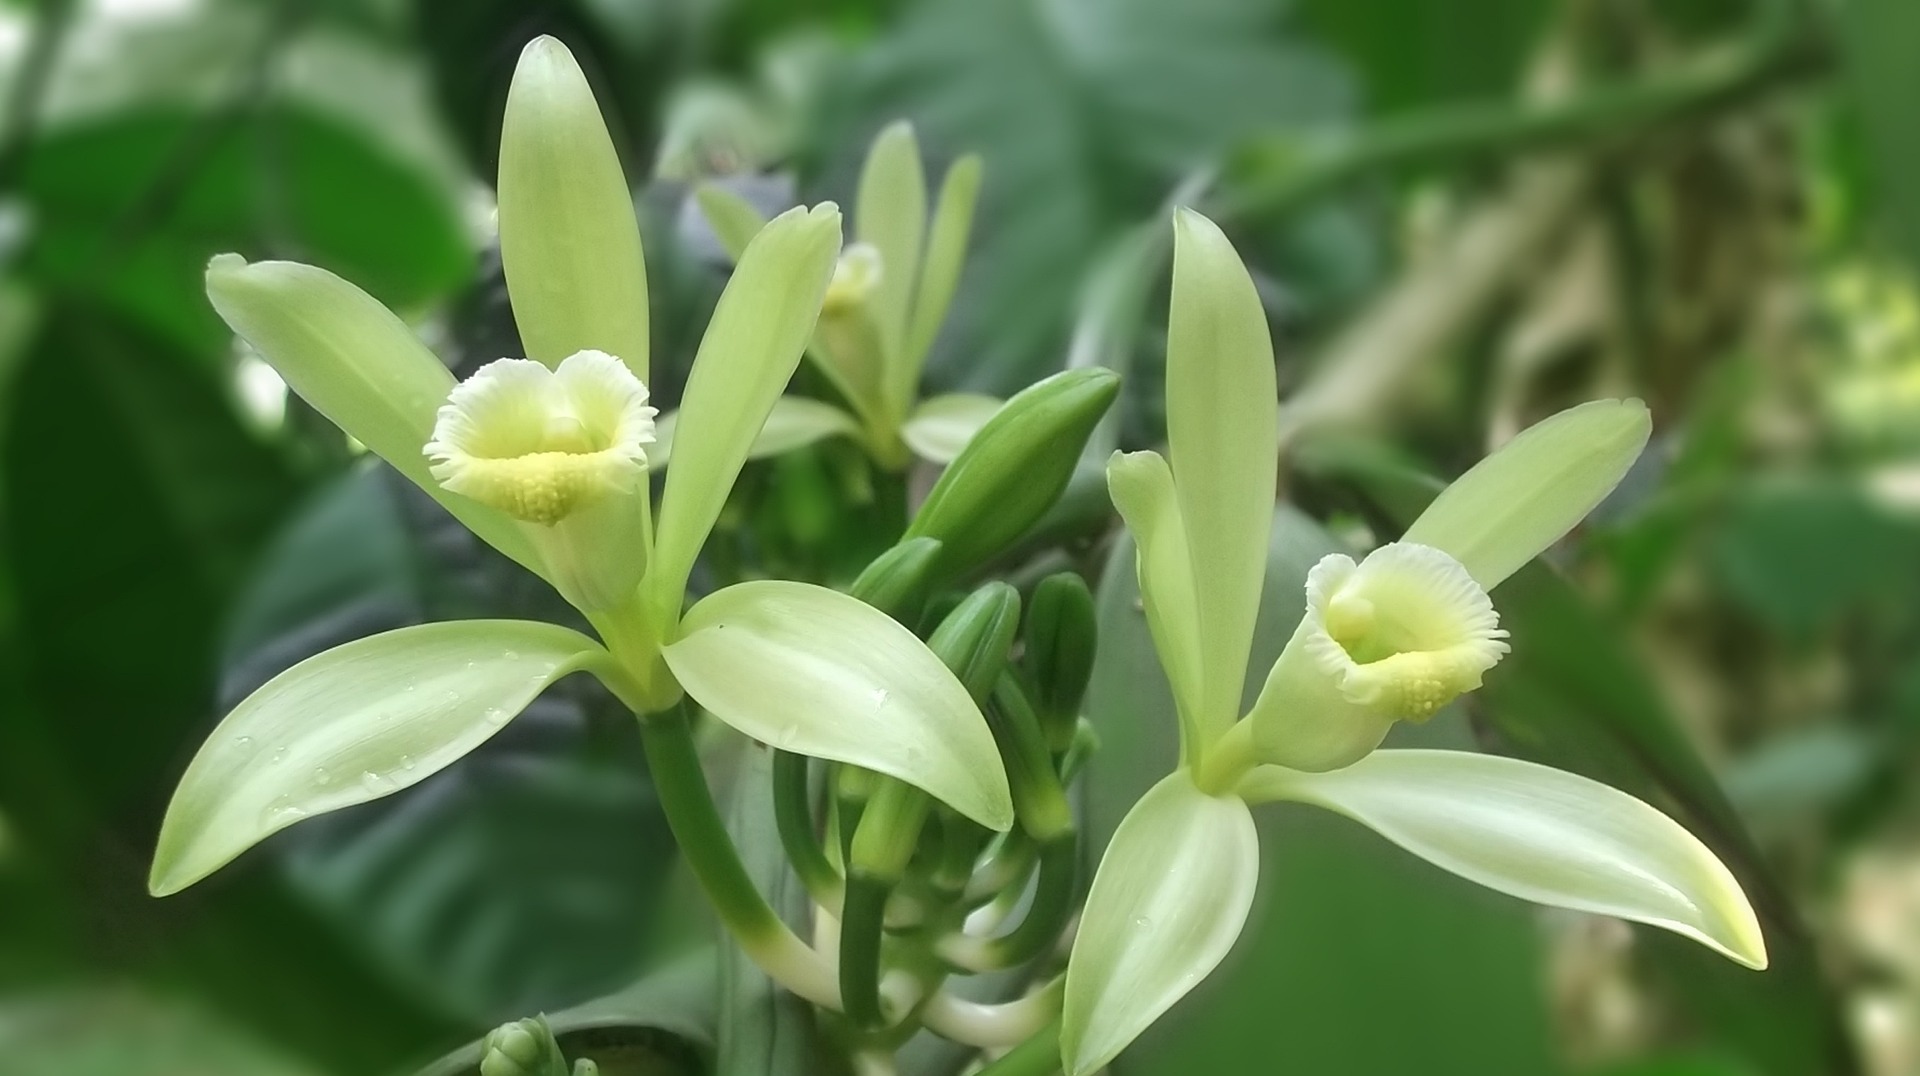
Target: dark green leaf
[[1878, 37]]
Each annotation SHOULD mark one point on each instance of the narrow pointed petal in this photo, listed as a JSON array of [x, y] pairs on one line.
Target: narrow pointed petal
[[1222, 435], [1168, 902], [813, 671], [946, 256], [1539, 834], [733, 219], [941, 427], [890, 212], [356, 363], [746, 358], [356, 723], [569, 241], [1141, 484], [795, 422], [1535, 488]]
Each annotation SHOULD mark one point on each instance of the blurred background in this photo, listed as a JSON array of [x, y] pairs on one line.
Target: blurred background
[[1464, 214]]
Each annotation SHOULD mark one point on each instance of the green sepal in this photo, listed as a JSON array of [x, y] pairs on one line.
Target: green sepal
[[1013, 470], [522, 1048], [975, 638]]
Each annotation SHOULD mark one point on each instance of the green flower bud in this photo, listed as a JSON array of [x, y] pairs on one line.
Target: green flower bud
[[974, 639], [897, 582], [522, 1048], [1061, 632], [1014, 468]]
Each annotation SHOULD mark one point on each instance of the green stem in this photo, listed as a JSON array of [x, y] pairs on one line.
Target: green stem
[[1774, 52], [862, 924], [883, 843], [681, 785], [793, 817], [1038, 1056]]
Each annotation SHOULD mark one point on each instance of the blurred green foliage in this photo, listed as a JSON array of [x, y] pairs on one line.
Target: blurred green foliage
[[1741, 252]]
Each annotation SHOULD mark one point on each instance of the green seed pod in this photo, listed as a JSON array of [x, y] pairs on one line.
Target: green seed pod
[[897, 582], [975, 638], [1014, 468], [1061, 633], [522, 1048]]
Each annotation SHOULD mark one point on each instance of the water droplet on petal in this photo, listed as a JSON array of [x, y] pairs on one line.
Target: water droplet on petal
[[881, 695], [279, 755], [244, 743], [1142, 921], [510, 655], [321, 776], [406, 762], [374, 782], [496, 715]]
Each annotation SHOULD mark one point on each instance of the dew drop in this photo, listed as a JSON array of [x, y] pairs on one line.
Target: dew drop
[[321, 776], [1142, 921], [406, 762], [244, 743], [279, 755], [497, 716], [374, 782], [510, 655], [411, 687], [881, 695], [282, 811]]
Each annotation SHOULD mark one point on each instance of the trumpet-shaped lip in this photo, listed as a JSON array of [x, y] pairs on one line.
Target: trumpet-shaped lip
[[1403, 632], [537, 443]]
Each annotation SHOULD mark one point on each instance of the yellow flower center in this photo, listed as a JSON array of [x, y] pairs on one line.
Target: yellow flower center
[[1404, 632], [539, 443]]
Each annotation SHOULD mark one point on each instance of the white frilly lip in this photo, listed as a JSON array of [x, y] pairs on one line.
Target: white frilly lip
[[537, 443], [1403, 632]]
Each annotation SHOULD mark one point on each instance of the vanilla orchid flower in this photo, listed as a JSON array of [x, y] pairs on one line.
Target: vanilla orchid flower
[[546, 458], [1391, 637], [889, 294]]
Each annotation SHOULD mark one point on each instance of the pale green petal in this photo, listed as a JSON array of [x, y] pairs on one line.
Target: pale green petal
[[356, 723], [946, 256], [1534, 489], [1141, 484], [794, 422], [941, 426], [1167, 904], [733, 219], [1301, 719], [813, 671], [1223, 437], [1539, 834], [569, 241], [890, 212], [356, 363], [745, 360]]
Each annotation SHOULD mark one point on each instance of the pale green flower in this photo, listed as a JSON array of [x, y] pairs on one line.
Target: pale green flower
[[546, 458], [1394, 636], [889, 293]]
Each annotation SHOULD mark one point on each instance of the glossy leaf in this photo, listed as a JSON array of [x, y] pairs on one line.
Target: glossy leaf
[[1532, 490], [940, 427], [1540, 834], [1223, 438], [356, 363], [1171, 895], [746, 358], [353, 724], [568, 237], [813, 671]]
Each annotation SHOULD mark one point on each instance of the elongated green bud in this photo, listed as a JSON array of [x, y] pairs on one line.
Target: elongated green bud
[[898, 581], [975, 638], [1014, 468], [522, 1048], [1061, 633]]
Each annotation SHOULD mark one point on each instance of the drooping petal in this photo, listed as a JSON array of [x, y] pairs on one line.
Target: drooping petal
[[1535, 488], [890, 212], [569, 241], [946, 256], [1540, 834], [1141, 484], [353, 724], [746, 358], [940, 427], [356, 363], [1168, 902], [1222, 436], [813, 671]]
